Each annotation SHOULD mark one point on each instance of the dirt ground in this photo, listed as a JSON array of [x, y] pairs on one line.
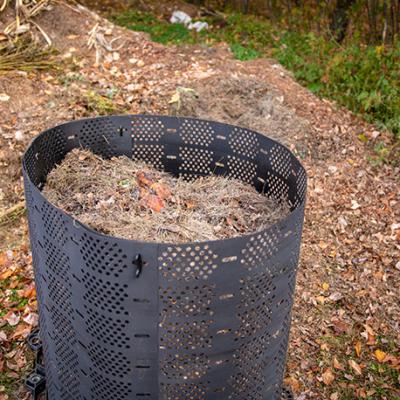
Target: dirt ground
[[345, 333]]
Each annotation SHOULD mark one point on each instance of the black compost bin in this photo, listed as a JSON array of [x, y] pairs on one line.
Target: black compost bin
[[123, 319]]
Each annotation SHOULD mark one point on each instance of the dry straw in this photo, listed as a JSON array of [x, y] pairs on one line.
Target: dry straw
[[130, 199]]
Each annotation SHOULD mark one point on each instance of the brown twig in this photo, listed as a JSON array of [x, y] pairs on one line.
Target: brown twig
[[12, 213]]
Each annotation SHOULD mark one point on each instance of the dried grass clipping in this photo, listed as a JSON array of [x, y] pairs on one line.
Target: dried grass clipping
[[130, 199]]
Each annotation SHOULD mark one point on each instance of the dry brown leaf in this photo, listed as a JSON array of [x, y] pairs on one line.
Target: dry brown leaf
[[337, 364], [144, 179], [3, 336], [153, 202], [357, 348], [370, 335], [340, 326], [293, 383], [3, 259], [22, 331], [322, 245], [28, 293], [11, 318], [31, 319], [355, 367], [380, 355], [328, 377], [393, 361], [325, 346], [162, 191], [190, 204], [6, 274]]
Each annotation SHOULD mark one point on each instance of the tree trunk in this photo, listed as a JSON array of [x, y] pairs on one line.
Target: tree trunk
[[340, 19], [246, 4]]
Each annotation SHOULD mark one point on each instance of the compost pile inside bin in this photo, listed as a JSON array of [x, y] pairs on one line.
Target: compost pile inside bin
[[133, 200]]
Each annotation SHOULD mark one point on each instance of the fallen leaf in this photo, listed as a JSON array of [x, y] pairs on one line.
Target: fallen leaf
[[11, 318], [154, 202], [328, 377], [293, 383], [12, 366], [357, 348], [3, 336], [31, 319], [190, 204], [337, 364], [380, 355], [6, 274], [162, 191], [369, 334], [363, 138], [175, 98], [124, 183], [335, 296], [22, 331], [28, 293], [355, 367], [393, 361], [325, 347], [340, 326], [144, 179], [322, 245], [354, 205]]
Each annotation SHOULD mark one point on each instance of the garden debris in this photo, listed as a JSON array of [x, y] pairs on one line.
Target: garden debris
[[24, 12], [240, 100], [24, 54], [12, 213], [130, 199], [98, 41], [180, 17]]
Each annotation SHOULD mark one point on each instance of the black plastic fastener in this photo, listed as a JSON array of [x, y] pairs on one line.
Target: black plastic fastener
[[139, 264], [36, 384], [34, 341]]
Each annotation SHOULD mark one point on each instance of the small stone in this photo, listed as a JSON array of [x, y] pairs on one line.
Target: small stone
[[19, 136], [375, 134], [140, 63], [4, 97]]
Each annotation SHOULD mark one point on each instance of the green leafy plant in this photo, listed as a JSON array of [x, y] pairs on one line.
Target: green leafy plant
[[363, 78]]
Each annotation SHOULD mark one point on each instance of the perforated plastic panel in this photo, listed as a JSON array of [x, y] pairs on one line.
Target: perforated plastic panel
[[203, 321]]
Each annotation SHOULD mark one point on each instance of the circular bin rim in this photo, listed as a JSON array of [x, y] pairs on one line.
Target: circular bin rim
[[77, 223]]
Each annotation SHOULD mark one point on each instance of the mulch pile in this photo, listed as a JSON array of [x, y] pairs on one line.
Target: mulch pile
[[130, 199]]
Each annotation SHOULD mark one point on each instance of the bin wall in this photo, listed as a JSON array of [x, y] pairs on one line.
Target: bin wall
[[203, 321]]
